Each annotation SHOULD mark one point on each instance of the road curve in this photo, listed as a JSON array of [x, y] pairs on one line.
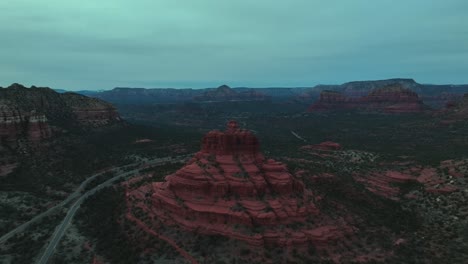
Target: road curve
[[75, 194], [60, 230], [38, 217]]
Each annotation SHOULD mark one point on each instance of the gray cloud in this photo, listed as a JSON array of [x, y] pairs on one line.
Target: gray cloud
[[92, 44]]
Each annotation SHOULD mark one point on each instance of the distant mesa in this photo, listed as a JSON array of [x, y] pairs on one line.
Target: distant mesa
[[229, 188], [226, 93], [389, 99]]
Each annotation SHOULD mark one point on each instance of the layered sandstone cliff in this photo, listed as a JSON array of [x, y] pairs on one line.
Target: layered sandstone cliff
[[332, 100], [393, 99], [15, 124], [29, 112]]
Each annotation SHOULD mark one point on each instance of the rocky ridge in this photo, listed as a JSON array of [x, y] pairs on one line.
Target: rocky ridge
[[31, 112]]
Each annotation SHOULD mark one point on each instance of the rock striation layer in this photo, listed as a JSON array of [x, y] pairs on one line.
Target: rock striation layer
[[229, 188], [16, 124], [389, 99]]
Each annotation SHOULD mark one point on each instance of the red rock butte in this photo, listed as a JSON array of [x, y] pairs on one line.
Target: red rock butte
[[228, 188], [389, 99]]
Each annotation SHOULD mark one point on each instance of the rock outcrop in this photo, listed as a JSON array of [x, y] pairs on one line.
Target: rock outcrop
[[16, 124], [393, 99], [91, 111], [389, 99], [229, 188], [332, 100], [29, 112]]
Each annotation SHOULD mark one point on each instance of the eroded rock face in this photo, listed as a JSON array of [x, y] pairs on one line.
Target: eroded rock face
[[91, 111], [15, 124], [67, 110], [389, 99], [229, 188], [11, 122], [38, 127]]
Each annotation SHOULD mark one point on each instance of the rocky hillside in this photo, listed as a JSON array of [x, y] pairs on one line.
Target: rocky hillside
[[31, 112], [389, 99]]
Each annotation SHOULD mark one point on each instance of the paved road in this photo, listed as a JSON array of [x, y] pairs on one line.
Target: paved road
[[75, 194], [297, 136], [38, 217], [60, 230]]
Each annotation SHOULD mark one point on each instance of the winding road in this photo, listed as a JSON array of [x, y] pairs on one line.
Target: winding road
[[60, 230], [38, 217]]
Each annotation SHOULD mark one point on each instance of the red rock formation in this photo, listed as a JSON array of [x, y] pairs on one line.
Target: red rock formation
[[441, 100], [15, 124], [97, 116], [38, 127], [387, 183], [456, 111], [393, 99], [67, 110], [389, 99], [11, 122], [331, 100], [91, 112], [384, 183], [230, 189]]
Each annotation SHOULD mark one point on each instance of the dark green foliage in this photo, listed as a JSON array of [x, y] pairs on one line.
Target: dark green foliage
[[98, 218]]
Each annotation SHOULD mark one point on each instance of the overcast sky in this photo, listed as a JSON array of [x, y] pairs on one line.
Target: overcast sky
[[101, 44]]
